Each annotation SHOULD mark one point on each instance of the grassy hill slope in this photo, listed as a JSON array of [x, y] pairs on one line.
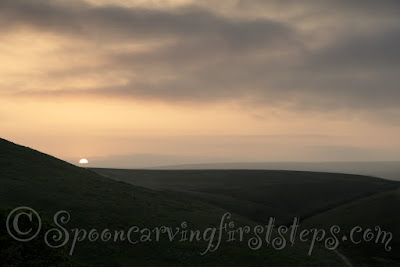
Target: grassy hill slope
[[260, 194], [46, 184], [381, 210]]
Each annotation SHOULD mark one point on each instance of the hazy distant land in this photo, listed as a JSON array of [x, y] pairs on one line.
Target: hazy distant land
[[383, 169]]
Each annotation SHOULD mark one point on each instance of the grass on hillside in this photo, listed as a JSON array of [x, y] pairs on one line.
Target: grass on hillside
[[259, 194], [30, 178], [378, 210]]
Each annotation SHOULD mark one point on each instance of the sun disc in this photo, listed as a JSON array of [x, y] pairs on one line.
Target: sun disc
[[83, 161]]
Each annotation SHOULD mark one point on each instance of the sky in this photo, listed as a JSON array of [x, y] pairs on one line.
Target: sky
[[149, 83]]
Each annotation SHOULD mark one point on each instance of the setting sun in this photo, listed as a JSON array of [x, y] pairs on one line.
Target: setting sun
[[83, 161]]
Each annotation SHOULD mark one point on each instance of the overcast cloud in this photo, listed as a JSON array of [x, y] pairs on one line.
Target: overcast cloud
[[330, 55]]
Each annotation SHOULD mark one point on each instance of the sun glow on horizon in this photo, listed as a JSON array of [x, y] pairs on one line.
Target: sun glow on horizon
[[83, 161]]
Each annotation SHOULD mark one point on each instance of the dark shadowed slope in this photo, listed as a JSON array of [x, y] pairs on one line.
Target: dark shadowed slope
[[260, 194], [382, 210], [46, 184]]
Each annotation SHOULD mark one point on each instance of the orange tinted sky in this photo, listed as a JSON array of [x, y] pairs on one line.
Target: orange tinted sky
[[202, 81]]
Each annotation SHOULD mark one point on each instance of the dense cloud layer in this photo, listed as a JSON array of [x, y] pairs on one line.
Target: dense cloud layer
[[315, 54]]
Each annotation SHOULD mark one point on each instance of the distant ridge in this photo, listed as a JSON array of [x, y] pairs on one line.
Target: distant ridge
[[383, 169]]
